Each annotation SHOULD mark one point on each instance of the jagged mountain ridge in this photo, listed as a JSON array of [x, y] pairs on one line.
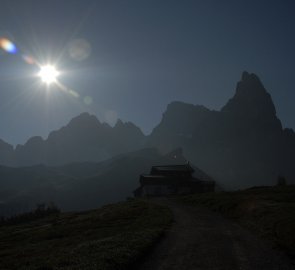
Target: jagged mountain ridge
[[84, 138], [241, 145]]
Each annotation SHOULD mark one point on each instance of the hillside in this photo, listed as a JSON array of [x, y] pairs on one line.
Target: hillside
[[112, 237], [78, 186], [267, 211]]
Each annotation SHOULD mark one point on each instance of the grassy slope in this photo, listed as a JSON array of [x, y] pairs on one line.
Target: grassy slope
[[112, 237], [270, 211]]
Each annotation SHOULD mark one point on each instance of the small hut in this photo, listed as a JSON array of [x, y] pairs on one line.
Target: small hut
[[173, 180]]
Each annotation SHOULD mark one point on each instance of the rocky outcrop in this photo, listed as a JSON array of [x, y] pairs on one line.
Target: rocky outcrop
[[241, 145]]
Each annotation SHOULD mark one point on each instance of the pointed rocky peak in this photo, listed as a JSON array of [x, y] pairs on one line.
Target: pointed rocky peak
[[84, 119], [82, 123], [127, 127], [119, 124], [251, 100], [251, 84]]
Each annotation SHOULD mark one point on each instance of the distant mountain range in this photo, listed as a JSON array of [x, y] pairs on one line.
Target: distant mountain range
[[83, 139], [79, 186], [241, 145]]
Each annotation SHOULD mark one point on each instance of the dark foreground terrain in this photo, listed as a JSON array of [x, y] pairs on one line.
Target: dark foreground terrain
[[266, 211], [112, 237], [121, 236], [203, 240]]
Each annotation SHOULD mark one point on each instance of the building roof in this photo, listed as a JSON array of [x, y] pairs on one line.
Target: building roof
[[153, 176], [172, 174], [178, 168]]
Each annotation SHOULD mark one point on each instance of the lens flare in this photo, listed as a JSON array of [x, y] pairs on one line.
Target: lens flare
[[8, 46], [88, 100], [29, 59], [79, 49], [48, 74]]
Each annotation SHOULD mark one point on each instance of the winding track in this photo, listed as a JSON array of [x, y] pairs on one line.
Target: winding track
[[203, 240]]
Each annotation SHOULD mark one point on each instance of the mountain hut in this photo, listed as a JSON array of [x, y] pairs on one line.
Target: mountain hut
[[173, 180]]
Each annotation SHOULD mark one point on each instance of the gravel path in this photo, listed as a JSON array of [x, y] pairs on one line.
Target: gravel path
[[201, 239]]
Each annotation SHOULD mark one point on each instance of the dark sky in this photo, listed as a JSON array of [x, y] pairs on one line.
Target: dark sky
[[144, 54]]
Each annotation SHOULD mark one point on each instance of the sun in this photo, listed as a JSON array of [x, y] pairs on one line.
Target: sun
[[48, 74]]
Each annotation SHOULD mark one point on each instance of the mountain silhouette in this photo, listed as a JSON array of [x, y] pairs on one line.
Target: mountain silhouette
[[83, 139], [6, 153], [82, 185], [241, 145], [251, 100]]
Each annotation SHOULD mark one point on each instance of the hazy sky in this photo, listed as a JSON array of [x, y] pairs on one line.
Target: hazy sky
[[144, 54]]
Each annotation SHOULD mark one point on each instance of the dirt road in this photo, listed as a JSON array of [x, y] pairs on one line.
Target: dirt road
[[201, 240]]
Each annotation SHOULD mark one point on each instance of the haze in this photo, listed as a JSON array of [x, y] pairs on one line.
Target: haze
[[140, 56]]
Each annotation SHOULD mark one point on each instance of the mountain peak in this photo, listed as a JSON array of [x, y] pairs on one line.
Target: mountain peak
[[128, 128], [250, 83], [246, 76], [251, 99], [119, 123], [85, 116], [84, 120]]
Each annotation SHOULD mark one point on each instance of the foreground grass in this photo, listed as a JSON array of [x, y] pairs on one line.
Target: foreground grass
[[270, 211], [112, 237]]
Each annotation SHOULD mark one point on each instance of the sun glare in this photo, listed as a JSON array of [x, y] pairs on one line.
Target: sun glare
[[48, 74]]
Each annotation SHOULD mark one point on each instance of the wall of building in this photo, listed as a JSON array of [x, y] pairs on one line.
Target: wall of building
[[156, 190]]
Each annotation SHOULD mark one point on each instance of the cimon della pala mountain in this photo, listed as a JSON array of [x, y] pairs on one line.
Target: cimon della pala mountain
[[241, 145]]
